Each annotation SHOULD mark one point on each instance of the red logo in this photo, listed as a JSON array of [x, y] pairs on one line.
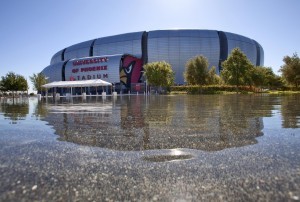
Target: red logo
[[130, 71]]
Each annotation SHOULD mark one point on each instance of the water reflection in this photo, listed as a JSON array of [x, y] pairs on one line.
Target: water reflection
[[162, 122], [134, 123], [40, 111], [290, 111], [14, 110]]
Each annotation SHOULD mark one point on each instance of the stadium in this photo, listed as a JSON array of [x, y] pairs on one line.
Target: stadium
[[119, 59]]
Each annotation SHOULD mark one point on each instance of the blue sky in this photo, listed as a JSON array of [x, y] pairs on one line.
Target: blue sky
[[33, 30]]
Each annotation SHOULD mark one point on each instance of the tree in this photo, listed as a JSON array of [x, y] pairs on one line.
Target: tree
[[1, 86], [213, 78], [196, 71], [237, 69], [22, 83], [291, 69], [37, 81], [13, 82], [263, 77], [277, 82], [159, 74]]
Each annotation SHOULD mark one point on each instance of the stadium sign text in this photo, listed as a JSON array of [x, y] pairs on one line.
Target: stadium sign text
[[90, 61]]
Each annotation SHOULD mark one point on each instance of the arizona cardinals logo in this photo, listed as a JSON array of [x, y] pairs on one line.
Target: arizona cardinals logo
[[130, 71]]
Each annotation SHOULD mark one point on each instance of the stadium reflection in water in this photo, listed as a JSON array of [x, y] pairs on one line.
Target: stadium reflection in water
[[133, 123], [149, 148]]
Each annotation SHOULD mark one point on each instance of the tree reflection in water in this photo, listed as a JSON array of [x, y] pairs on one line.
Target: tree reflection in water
[[290, 111], [15, 109], [134, 123]]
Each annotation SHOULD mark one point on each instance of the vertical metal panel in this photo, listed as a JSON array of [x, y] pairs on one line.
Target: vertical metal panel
[[92, 48], [63, 71], [260, 54], [173, 55], [145, 47], [63, 55], [223, 48]]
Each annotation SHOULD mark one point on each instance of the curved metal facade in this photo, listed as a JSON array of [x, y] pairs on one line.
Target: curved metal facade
[[79, 50], [57, 57], [120, 44], [54, 72], [178, 46], [246, 45], [173, 46]]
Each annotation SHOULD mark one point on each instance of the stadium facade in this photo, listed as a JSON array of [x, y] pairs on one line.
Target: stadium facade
[[119, 59]]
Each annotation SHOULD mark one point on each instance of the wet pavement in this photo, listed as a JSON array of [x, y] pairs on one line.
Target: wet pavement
[[151, 148]]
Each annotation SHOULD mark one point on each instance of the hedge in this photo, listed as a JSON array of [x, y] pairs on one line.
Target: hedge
[[213, 89]]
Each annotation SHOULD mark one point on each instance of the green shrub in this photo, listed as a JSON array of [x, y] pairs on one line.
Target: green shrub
[[213, 89]]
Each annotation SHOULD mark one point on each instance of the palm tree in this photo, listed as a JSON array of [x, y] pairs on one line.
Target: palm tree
[[38, 80]]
